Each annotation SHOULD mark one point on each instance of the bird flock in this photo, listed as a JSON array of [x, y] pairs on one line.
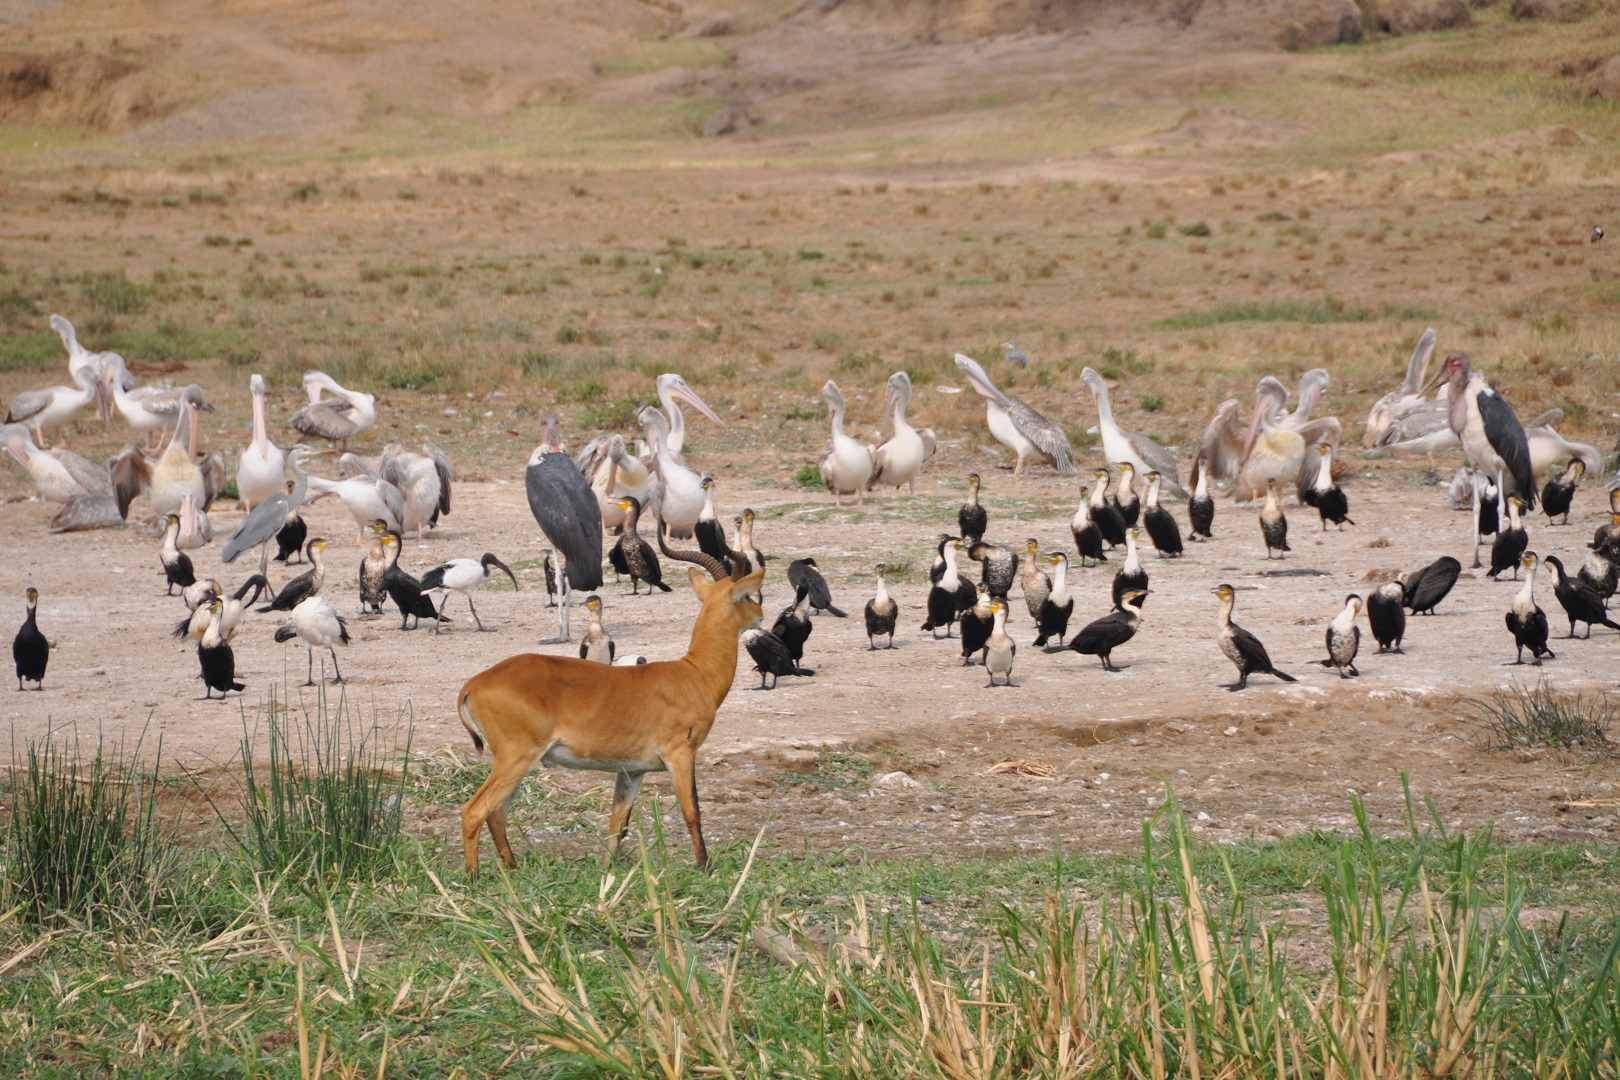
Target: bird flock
[[632, 504]]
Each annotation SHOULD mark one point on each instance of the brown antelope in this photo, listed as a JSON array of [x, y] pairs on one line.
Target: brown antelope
[[563, 711]]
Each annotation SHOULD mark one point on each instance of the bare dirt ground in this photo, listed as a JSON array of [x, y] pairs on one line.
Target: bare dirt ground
[[891, 750]]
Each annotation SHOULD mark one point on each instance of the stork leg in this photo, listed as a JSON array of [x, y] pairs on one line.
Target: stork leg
[[1477, 507], [476, 619], [567, 602]]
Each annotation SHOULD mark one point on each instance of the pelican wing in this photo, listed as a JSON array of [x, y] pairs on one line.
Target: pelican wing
[[1222, 445], [1553, 418], [1548, 447], [1425, 419], [1160, 459], [588, 460], [1047, 436], [95, 511], [327, 420], [28, 404], [131, 476], [350, 465], [392, 498], [930, 442], [1418, 365], [1275, 454], [447, 476], [212, 467], [87, 474], [565, 508]]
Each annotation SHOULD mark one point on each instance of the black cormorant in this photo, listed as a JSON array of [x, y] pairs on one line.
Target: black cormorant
[[1245, 651]]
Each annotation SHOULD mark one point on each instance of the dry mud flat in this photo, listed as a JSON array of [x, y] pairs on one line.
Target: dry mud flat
[[892, 751]]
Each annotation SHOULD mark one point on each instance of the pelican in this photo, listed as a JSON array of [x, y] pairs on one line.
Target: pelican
[[1271, 451], [564, 506], [1224, 440], [261, 467], [1322, 432], [367, 496], [176, 473], [899, 460], [680, 494], [1547, 446], [81, 359], [1492, 438], [423, 481], [351, 413], [146, 408], [1017, 426], [261, 525], [1401, 401], [1119, 445], [673, 388], [48, 409], [848, 466], [195, 528], [59, 475]]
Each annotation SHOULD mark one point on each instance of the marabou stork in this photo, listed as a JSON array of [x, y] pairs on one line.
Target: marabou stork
[[565, 508]]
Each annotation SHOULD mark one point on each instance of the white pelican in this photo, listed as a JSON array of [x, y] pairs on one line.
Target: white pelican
[[92, 364], [1492, 437], [50, 408], [317, 624], [848, 466], [58, 474], [899, 460], [423, 481], [367, 496], [673, 388], [1120, 446], [1272, 451], [681, 494], [350, 413], [615, 474], [1547, 446], [195, 528], [1406, 397], [261, 467], [147, 408], [1224, 440], [176, 473], [1017, 426]]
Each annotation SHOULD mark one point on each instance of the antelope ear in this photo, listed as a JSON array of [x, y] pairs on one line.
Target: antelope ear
[[700, 582], [747, 585]]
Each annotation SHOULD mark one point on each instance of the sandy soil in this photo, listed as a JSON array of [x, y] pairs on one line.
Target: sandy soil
[[1273, 760]]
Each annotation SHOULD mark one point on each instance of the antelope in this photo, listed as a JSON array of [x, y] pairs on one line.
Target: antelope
[[568, 712]]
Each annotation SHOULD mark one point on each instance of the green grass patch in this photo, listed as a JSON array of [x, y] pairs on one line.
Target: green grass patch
[[1327, 310]]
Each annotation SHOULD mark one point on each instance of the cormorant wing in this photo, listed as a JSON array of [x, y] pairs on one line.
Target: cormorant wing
[[565, 508], [1251, 649], [1047, 436], [1506, 436]]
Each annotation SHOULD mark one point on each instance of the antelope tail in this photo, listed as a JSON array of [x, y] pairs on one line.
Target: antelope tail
[[469, 723]]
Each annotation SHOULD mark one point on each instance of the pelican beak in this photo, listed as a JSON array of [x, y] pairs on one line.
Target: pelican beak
[[888, 409], [14, 446], [686, 394]]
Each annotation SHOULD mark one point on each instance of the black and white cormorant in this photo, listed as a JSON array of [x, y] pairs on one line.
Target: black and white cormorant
[[290, 537], [1510, 543], [1088, 538], [949, 594], [1344, 638], [971, 519], [640, 560], [1559, 491], [771, 656], [881, 612], [1600, 570], [317, 624], [710, 534], [1245, 651], [1130, 575], [1579, 601], [372, 568], [1101, 637], [1527, 622], [176, 563], [1325, 495], [463, 576], [1105, 514], [1125, 500], [404, 590], [745, 546], [804, 572], [1034, 581], [215, 658], [975, 625], [1161, 527], [1201, 507], [1428, 586], [793, 626], [305, 585], [1488, 511], [1273, 522], [1001, 649], [999, 567], [29, 649], [597, 644], [1052, 621], [1386, 615]]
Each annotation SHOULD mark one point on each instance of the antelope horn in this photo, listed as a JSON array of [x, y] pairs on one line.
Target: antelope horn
[[692, 555]]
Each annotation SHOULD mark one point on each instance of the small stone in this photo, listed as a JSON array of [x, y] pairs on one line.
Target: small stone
[[1230, 731]]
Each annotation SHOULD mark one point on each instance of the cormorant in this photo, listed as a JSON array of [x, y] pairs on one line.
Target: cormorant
[[793, 626], [1161, 527], [214, 656], [290, 537], [771, 657], [29, 648], [1527, 622], [1104, 513], [176, 563], [1101, 637], [999, 567], [1088, 538], [711, 538], [404, 590], [1001, 649], [1037, 586], [1428, 586], [1344, 638], [1241, 647], [804, 572], [1273, 522], [1510, 543], [881, 611], [1131, 575], [971, 519], [975, 625], [305, 585], [1600, 570], [372, 568], [1386, 615], [949, 594], [1325, 495], [1052, 621], [1201, 507], [1559, 492], [596, 645], [1580, 602], [640, 561], [1129, 508]]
